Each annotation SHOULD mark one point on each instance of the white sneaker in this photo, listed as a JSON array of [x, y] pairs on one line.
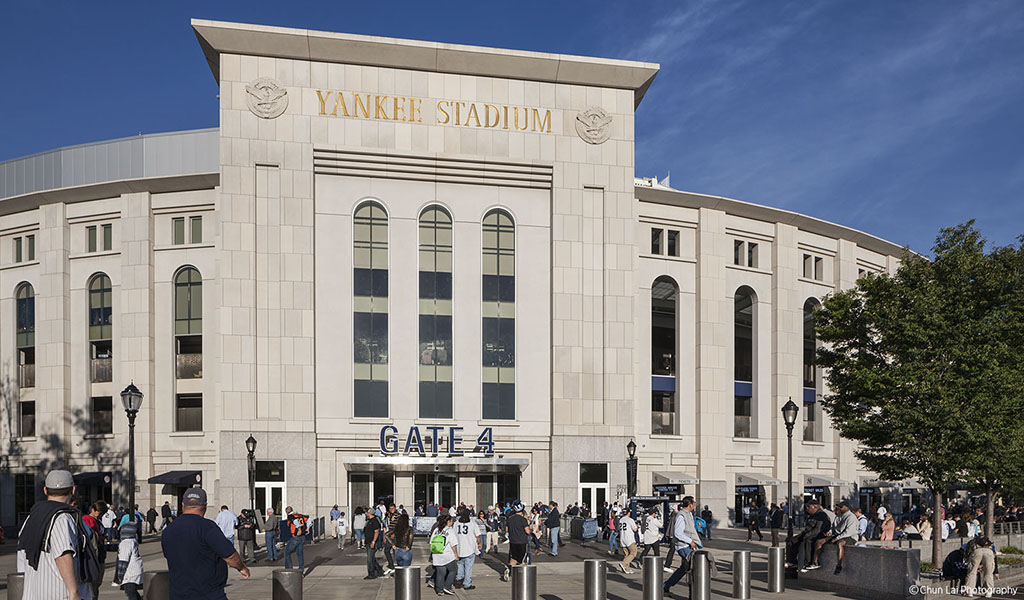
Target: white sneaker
[[668, 569], [629, 571], [622, 568]]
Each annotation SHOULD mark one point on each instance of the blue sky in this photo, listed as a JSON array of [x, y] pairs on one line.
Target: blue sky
[[896, 118]]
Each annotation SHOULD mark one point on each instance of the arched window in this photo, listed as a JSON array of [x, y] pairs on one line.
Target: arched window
[[499, 316], [435, 352], [664, 302], [811, 376], [25, 339], [370, 308], [188, 302], [100, 329], [743, 360]]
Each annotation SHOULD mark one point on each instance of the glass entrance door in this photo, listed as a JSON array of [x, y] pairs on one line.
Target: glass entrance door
[[436, 489], [270, 486]]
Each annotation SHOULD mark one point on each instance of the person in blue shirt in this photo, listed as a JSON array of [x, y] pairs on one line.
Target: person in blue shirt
[[335, 513], [198, 555]]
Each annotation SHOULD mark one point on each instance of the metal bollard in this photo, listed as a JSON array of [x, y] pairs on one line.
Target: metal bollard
[[741, 574], [156, 585], [654, 586], [407, 583], [287, 584], [15, 586], [700, 575], [595, 579], [777, 570], [524, 582]]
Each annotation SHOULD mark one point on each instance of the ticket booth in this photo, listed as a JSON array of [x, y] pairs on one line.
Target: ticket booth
[[751, 487]]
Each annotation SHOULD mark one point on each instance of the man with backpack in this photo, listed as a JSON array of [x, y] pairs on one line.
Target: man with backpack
[[51, 546], [298, 526]]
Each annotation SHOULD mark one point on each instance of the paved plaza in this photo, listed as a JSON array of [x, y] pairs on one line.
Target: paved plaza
[[333, 574]]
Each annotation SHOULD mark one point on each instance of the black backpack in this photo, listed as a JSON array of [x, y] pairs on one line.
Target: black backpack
[[92, 552]]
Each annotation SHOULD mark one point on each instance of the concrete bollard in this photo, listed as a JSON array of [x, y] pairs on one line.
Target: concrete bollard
[[653, 583], [700, 575], [595, 579], [777, 570], [156, 585], [524, 582], [407, 583], [287, 584], [15, 586], [741, 574]]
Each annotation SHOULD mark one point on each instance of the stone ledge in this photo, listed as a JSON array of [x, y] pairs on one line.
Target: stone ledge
[[872, 573]]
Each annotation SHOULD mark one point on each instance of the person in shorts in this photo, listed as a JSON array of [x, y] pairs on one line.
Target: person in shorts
[[519, 532]]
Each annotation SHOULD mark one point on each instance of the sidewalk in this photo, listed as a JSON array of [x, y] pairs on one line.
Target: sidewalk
[[337, 575]]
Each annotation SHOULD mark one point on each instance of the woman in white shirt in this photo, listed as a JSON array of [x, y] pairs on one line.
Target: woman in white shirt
[[445, 561], [358, 523]]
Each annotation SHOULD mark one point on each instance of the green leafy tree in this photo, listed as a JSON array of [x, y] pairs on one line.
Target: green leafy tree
[[923, 367]]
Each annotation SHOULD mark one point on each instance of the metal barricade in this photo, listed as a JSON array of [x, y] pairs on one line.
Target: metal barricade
[[407, 583], [595, 579], [700, 575], [741, 574], [524, 582], [15, 586], [287, 584], [653, 583], [777, 569], [156, 585]]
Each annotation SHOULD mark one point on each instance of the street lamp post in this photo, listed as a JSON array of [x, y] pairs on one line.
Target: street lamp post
[[631, 469], [250, 445], [789, 414], [131, 398]]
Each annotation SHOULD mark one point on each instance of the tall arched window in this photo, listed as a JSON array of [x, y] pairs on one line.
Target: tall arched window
[[435, 355], [499, 316], [743, 360], [370, 307], [25, 339], [664, 302], [812, 426], [100, 328], [188, 323]]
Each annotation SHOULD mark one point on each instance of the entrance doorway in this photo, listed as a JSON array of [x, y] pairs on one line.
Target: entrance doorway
[[744, 496], [822, 495], [593, 489], [270, 486], [436, 489]]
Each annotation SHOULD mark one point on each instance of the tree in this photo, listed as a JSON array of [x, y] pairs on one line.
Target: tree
[[924, 368]]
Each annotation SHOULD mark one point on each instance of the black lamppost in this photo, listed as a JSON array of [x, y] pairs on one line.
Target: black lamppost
[[789, 413], [131, 398], [631, 469], [250, 445]]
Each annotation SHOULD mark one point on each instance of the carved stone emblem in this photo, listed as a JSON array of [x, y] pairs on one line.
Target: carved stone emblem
[[266, 98], [592, 125]]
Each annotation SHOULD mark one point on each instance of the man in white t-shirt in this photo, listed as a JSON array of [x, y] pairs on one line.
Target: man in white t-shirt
[[881, 513], [467, 539], [627, 539]]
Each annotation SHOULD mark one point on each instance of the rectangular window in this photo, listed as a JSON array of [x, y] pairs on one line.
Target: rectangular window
[[31, 247], [101, 415], [178, 230], [27, 419], [663, 413], [673, 243], [742, 424], [752, 255], [808, 266], [810, 422], [90, 233], [17, 250], [593, 473], [737, 252], [24, 495], [108, 237], [197, 230], [189, 411], [656, 241], [819, 268]]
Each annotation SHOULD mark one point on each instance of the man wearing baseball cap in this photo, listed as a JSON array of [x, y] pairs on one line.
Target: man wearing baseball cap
[[48, 544], [519, 531], [198, 555]]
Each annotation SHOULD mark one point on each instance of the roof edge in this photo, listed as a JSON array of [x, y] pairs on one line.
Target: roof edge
[[221, 37]]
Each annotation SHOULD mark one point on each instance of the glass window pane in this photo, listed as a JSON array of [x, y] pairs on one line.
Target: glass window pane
[[197, 230], [656, 241], [593, 473], [178, 230], [91, 234], [108, 237], [743, 340], [32, 247], [371, 398], [17, 249], [673, 243]]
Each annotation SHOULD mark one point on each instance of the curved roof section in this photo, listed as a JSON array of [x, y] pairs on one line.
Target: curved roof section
[[153, 156], [645, 191]]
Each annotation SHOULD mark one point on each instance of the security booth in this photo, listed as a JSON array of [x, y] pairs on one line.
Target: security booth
[[750, 487]]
